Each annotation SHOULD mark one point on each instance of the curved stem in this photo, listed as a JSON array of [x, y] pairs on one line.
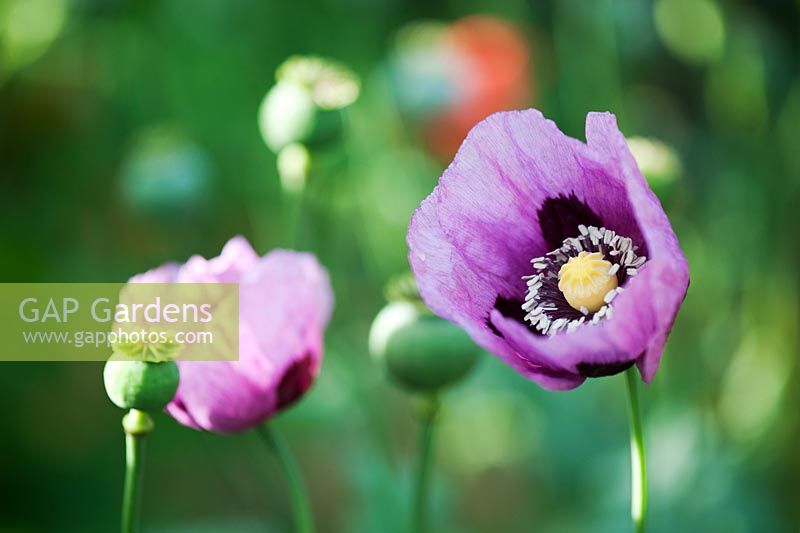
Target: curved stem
[[419, 517], [137, 425], [301, 509], [638, 459]]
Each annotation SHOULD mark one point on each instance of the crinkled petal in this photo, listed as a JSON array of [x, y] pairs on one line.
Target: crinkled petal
[[668, 277], [215, 396], [166, 273], [516, 188], [236, 258]]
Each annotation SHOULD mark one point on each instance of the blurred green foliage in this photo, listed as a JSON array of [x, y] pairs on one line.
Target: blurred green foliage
[[129, 137]]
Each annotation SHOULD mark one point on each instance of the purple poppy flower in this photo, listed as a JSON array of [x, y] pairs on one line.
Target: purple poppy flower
[[285, 301], [552, 254]]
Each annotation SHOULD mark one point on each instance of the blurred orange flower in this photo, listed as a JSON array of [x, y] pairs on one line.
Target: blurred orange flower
[[494, 74]]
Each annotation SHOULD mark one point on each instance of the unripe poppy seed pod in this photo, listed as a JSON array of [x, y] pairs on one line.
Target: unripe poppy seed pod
[[142, 385], [287, 115], [420, 351]]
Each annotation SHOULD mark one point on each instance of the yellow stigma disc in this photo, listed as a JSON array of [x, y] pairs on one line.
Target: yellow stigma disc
[[585, 280]]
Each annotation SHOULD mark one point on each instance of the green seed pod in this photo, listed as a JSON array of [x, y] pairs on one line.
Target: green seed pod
[[305, 104], [420, 351], [287, 115], [141, 385]]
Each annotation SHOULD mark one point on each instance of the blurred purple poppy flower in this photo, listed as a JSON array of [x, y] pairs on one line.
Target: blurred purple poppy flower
[[551, 253], [285, 301]]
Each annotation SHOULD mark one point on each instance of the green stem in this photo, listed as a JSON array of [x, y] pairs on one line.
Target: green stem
[[301, 509], [295, 205], [638, 459], [419, 517], [137, 425]]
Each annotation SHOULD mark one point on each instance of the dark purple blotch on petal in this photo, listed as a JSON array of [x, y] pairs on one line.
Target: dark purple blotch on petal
[[559, 218], [509, 307], [597, 370], [295, 381]]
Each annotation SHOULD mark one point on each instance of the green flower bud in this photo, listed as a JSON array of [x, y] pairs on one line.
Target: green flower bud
[[419, 350], [141, 385], [287, 115]]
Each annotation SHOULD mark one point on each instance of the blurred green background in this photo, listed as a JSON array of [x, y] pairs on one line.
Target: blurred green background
[[129, 136]]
